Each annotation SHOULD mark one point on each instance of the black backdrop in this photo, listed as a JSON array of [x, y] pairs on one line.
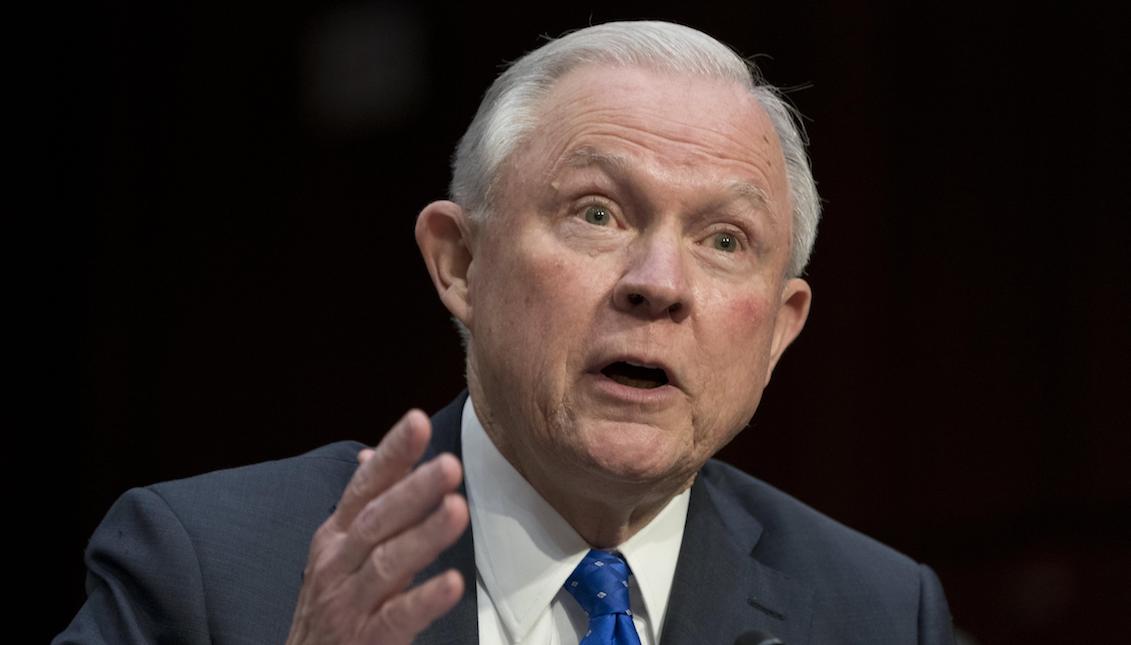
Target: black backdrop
[[244, 180]]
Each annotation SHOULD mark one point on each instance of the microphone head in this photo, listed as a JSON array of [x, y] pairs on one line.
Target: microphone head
[[755, 637]]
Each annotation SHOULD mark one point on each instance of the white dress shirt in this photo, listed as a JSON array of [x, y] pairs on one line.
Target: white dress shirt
[[524, 551]]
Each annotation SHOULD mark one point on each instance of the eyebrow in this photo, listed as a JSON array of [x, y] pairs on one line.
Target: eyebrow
[[585, 157], [751, 193]]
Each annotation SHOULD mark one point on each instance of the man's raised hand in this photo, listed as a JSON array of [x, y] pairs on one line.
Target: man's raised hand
[[391, 522]]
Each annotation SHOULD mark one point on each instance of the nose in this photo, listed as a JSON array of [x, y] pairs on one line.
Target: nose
[[655, 282]]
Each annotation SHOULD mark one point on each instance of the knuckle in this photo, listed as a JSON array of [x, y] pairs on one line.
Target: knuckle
[[366, 523], [396, 618], [384, 563]]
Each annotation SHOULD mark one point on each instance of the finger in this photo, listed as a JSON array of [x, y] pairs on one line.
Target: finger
[[392, 564], [364, 454], [406, 504], [400, 619], [398, 451]]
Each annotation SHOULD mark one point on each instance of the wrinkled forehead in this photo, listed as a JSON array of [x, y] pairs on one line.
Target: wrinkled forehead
[[672, 119]]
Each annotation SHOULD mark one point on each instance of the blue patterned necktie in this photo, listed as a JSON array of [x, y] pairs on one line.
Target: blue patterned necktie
[[600, 586]]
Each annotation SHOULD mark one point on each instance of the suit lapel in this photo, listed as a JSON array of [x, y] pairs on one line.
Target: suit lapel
[[461, 624], [719, 590]]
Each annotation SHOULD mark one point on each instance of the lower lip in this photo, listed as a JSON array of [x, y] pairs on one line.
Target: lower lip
[[655, 396]]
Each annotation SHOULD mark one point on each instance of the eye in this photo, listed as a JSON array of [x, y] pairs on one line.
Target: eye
[[725, 242], [597, 215]]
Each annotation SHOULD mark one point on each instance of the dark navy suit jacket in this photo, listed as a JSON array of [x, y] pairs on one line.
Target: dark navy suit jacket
[[218, 559]]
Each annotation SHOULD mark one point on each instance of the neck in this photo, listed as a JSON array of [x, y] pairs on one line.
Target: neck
[[604, 523], [604, 510]]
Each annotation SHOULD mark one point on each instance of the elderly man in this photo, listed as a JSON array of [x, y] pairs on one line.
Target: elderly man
[[631, 212]]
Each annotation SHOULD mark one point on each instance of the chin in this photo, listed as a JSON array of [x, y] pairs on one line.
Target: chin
[[632, 452]]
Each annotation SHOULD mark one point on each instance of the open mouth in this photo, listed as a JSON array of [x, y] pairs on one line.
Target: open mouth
[[639, 376]]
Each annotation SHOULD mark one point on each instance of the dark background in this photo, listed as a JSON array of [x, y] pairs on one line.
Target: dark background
[[243, 182]]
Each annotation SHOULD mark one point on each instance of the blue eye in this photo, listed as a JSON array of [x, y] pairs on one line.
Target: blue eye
[[598, 215], [725, 242]]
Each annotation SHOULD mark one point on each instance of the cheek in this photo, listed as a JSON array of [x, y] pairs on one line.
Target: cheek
[[533, 305], [745, 321], [548, 291], [736, 348]]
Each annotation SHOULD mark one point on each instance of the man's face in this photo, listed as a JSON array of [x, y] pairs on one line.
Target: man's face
[[627, 292]]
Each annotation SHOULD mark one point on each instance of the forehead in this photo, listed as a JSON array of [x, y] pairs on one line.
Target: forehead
[[680, 127]]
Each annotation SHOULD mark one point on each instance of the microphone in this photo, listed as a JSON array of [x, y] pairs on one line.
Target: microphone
[[755, 637]]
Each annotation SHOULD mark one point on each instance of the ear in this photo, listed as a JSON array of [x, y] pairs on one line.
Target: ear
[[792, 313], [443, 233]]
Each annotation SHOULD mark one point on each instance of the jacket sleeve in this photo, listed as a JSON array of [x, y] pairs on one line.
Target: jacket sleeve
[[935, 625], [143, 580]]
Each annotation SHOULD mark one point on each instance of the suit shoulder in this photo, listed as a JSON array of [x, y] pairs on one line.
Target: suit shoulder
[[254, 501], [856, 580], [858, 585], [798, 539], [216, 557]]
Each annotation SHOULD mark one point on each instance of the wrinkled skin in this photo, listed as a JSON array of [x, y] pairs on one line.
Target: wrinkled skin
[[647, 220]]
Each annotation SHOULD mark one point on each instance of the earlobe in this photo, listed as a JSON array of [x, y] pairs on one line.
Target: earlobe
[[443, 233], [792, 314]]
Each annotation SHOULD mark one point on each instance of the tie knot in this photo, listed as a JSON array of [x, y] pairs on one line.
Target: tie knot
[[600, 584]]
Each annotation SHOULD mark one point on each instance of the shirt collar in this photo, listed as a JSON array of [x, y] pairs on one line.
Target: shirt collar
[[525, 550]]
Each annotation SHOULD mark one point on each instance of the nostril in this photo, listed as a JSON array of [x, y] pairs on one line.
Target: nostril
[[635, 298], [674, 308]]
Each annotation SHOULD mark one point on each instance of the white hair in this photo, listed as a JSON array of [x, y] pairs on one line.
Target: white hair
[[509, 110]]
